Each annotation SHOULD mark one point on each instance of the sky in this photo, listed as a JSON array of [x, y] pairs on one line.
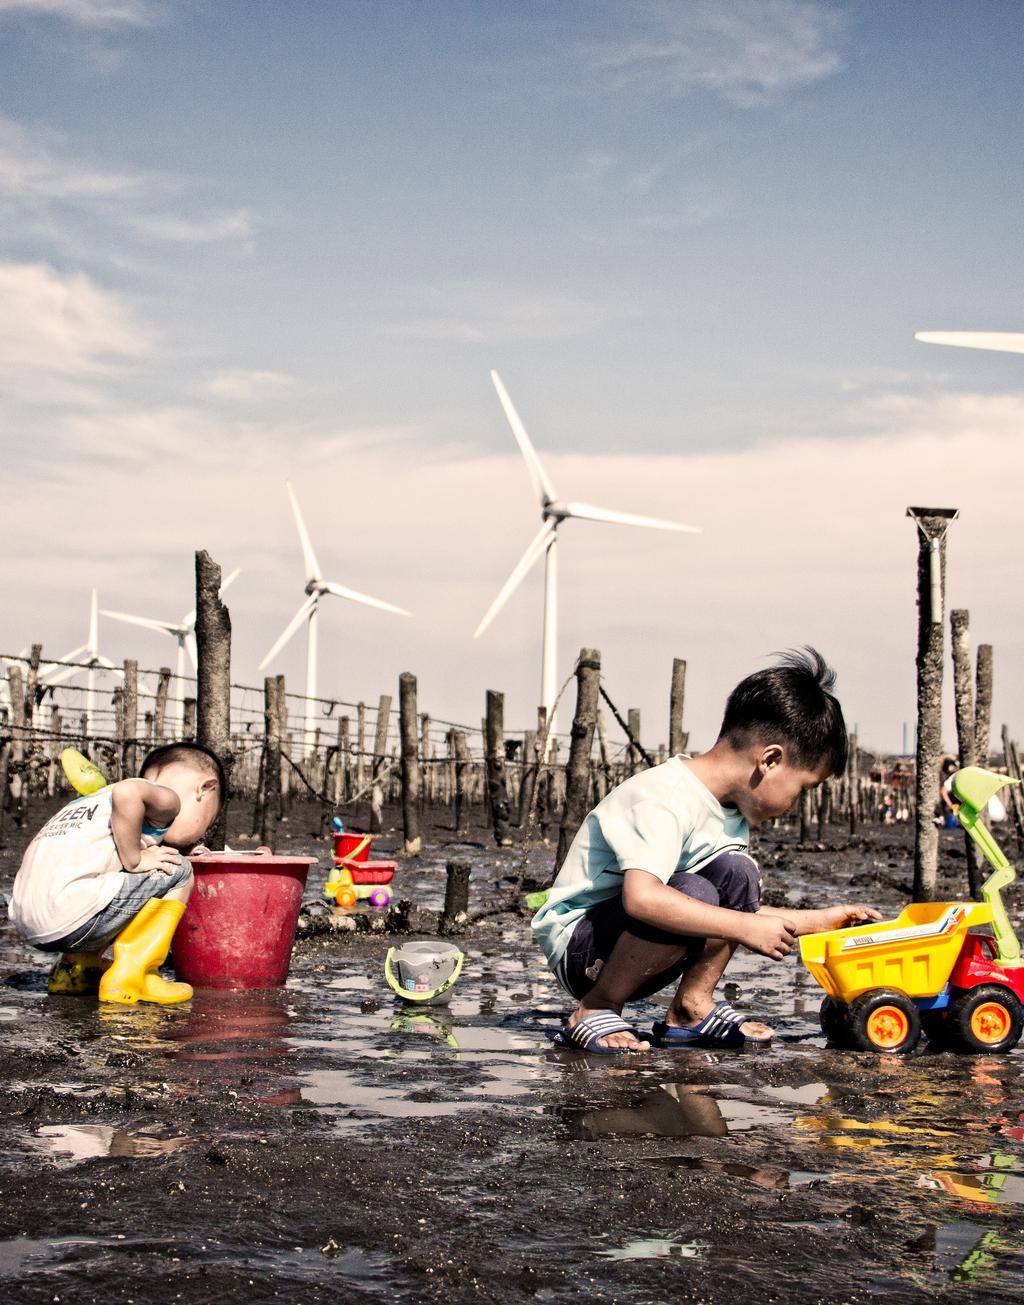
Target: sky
[[246, 243]]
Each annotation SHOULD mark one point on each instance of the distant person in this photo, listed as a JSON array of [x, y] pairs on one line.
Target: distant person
[[108, 868], [658, 886]]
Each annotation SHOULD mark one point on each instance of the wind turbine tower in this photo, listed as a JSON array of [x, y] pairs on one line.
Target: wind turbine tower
[[316, 588], [545, 543]]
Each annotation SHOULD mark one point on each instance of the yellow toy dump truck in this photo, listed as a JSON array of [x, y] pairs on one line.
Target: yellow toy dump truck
[[950, 970]]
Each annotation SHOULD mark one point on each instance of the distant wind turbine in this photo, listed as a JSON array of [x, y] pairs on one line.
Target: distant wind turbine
[[1000, 341], [553, 513], [316, 587], [87, 653], [184, 633]]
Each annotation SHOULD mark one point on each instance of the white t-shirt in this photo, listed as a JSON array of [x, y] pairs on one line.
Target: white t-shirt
[[70, 870], [661, 820]]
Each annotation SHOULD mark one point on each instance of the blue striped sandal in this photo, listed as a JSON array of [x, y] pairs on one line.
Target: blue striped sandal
[[587, 1033], [719, 1029]]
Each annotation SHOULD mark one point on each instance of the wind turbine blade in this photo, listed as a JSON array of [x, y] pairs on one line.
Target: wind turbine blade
[[312, 565], [354, 596], [1000, 341], [536, 548], [94, 622], [587, 512], [108, 665], [542, 487], [192, 648], [290, 629], [51, 672], [229, 581], [166, 626]]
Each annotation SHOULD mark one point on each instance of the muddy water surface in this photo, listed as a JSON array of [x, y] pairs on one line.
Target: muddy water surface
[[321, 1142]]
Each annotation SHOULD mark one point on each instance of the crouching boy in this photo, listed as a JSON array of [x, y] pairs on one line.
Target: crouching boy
[[108, 868], [658, 886]]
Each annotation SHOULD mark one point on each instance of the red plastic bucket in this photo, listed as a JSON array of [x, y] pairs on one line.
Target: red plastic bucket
[[239, 926], [352, 846]]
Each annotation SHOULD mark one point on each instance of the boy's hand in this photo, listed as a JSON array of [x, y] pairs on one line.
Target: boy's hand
[[850, 913], [164, 859], [770, 935]]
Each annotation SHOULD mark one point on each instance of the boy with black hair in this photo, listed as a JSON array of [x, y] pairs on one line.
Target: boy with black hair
[[108, 868], [658, 885]]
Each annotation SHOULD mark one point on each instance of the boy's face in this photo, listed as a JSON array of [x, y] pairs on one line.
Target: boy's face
[[776, 783], [199, 795]]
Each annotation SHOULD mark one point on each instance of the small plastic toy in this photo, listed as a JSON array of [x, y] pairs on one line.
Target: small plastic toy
[[423, 972], [931, 970], [339, 887], [354, 878], [81, 774]]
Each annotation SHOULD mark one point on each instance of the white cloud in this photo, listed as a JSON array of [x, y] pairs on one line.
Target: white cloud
[[43, 177], [746, 51], [85, 13], [57, 331], [242, 386], [488, 312]]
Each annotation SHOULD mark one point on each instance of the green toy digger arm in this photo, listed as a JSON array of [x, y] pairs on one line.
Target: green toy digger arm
[[973, 787]]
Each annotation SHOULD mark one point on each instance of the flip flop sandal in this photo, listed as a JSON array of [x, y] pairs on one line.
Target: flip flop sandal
[[719, 1028], [588, 1032]]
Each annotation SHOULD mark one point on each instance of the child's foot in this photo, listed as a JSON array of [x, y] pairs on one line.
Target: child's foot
[[624, 1040], [695, 1013]]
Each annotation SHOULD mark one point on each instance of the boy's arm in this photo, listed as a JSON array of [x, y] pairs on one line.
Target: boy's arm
[[829, 917], [650, 901], [134, 803]]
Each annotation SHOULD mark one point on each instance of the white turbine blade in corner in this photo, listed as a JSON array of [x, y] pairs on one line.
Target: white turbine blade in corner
[[94, 621], [355, 597], [1000, 341], [192, 648], [536, 548], [147, 624], [587, 512], [542, 487], [229, 582], [290, 629], [309, 557]]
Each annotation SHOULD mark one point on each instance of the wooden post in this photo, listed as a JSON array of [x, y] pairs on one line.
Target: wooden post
[[119, 732], [56, 746], [341, 766], [677, 739], [455, 915], [461, 760], [360, 747], [633, 716], [963, 699], [412, 779], [497, 784], [130, 711], [426, 759], [271, 811], [380, 749], [160, 710], [805, 817], [577, 790], [932, 524], [17, 759], [1015, 795], [983, 704], [853, 782], [824, 802], [213, 640], [527, 777], [188, 719]]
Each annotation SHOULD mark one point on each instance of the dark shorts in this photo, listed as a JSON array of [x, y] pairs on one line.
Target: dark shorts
[[98, 933], [731, 880]]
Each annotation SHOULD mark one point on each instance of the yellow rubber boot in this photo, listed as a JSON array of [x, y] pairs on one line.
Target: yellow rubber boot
[[141, 948], [76, 974]]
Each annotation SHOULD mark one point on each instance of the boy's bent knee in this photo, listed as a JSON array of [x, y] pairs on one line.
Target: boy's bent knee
[[735, 878]]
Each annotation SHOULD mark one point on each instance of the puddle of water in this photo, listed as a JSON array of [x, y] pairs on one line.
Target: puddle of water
[[990, 1187], [810, 1094], [774, 1180], [656, 1248], [678, 1110], [73, 1144]]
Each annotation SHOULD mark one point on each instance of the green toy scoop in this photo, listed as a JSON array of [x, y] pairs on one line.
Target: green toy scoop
[[973, 787]]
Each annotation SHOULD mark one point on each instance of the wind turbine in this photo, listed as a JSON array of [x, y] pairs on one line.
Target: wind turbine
[[315, 589], [87, 653], [184, 633], [553, 512], [1000, 341]]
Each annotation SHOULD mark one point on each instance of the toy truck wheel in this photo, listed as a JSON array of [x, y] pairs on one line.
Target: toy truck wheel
[[986, 1018], [884, 1020], [835, 1022]]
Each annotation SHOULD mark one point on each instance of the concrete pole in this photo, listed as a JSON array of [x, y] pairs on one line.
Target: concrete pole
[[311, 686], [549, 654]]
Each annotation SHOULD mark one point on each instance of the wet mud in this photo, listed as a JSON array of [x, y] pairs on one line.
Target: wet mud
[[321, 1142]]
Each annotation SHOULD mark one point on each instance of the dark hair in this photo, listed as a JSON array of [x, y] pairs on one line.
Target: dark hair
[[196, 755], [791, 703]]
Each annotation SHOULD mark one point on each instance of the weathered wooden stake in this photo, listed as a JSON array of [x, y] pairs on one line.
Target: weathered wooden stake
[[455, 915], [932, 524], [271, 808], [360, 747], [380, 747], [411, 775], [963, 699], [160, 712], [188, 719], [577, 775], [677, 738], [633, 716], [983, 703], [461, 762], [342, 763], [853, 782], [497, 784], [213, 640], [130, 711], [805, 816]]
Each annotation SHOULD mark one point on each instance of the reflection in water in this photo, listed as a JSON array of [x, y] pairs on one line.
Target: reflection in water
[[677, 1110], [71, 1144], [656, 1248], [425, 1025]]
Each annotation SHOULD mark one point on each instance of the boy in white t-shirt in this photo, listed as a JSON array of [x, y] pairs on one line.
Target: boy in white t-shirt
[[108, 868], [658, 887]]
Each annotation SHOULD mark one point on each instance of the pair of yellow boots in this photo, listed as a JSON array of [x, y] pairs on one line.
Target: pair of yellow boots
[[139, 950]]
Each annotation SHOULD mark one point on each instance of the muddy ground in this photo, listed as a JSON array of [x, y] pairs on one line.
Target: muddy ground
[[315, 1143]]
